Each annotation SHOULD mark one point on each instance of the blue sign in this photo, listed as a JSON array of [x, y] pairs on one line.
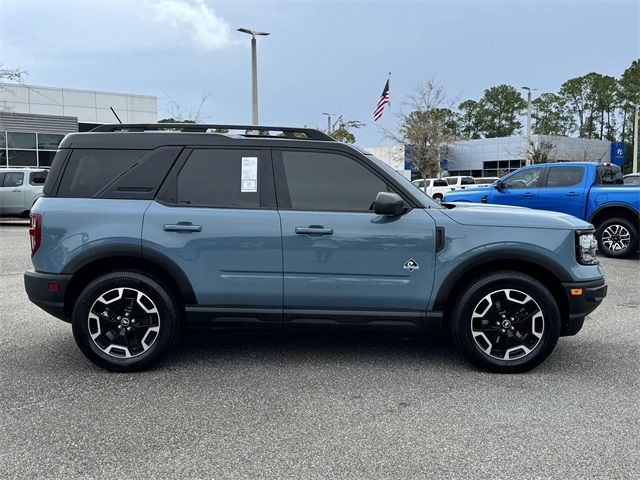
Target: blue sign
[[617, 153], [409, 164], [444, 164]]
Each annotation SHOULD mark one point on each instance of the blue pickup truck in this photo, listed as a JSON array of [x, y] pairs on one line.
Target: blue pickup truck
[[591, 191]]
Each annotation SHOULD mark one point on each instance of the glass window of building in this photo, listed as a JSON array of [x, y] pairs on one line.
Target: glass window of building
[[49, 141], [21, 140]]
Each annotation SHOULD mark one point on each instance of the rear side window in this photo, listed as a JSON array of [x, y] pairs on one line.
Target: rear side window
[[468, 181], [609, 175], [89, 171], [220, 178], [564, 176], [329, 182], [38, 178], [452, 180], [13, 179], [440, 183]]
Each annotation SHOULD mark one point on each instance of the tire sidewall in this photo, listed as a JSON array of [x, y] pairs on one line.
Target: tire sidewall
[[633, 244], [157, 294], [461, 323]]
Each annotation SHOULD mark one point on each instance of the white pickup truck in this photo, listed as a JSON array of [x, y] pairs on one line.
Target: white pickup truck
[[436, 188], [19, 189]]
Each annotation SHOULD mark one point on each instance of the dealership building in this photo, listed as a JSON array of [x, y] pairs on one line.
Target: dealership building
[[33, 119], [493, 157]]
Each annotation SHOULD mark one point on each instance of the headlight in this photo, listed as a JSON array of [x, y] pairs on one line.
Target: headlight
[[586, 246]]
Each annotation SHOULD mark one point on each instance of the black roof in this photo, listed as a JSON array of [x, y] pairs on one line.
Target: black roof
[[159, 134]]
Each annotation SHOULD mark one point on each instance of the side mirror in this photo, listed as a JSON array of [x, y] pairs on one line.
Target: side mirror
[[499, 185], [388, 203]]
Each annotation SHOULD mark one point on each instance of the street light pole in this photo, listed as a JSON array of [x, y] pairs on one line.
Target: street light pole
[[254, 72], [329, 124], [529, 139], [636, 140]]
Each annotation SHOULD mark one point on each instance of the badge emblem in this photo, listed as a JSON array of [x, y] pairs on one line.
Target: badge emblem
[[411, 265]]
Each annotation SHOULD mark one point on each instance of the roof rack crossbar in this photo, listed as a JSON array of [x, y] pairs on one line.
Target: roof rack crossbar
[[249, 130]]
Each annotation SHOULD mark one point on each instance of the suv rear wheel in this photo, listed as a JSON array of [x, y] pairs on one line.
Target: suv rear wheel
[[506, 322], [617, 238], [124, 321]]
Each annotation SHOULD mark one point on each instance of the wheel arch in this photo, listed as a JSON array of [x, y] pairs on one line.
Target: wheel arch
[[612, 210], [94, 262], [548, 271]]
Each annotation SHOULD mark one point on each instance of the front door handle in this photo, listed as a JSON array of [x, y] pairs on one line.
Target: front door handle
[[528, 195], [181, 227], [314, 230], [572, 194], [16, 190]]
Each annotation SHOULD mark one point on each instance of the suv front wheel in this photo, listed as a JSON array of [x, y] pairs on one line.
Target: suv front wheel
[[506, 322], [124, 321]]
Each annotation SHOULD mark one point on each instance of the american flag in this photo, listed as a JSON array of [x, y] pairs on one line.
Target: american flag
[[384, 99]]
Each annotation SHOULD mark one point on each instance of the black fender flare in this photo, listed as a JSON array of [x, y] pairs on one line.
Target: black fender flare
[[625, 206], [148, 254], [498, 254]]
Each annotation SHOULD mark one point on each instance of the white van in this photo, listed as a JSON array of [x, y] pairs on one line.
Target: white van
[[434, 187]]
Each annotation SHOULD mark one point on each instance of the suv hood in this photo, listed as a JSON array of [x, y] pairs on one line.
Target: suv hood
[[481, 214]]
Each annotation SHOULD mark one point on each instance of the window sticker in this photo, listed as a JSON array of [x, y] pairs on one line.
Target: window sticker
[[249, 179]]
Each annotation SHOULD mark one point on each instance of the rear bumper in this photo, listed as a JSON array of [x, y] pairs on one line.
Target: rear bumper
[[583, 298], [41, 290]]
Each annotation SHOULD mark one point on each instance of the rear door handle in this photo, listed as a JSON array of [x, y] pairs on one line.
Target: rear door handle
[[314, 230], [16, 190], [528, 195], [182, 227]]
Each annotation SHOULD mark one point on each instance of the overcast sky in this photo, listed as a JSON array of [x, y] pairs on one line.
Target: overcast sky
[[322, 56]]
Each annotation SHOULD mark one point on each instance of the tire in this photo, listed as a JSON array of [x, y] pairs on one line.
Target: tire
[[617, 238], [107, 331], [526, 334]]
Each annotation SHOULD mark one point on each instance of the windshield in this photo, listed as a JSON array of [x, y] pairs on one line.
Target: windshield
[[405, 182]]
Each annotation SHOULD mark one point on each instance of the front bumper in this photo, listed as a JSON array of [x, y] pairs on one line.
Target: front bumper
[[46, 290], [583, 298]]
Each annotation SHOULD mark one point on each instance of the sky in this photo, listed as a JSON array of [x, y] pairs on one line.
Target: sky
[[321, 56]]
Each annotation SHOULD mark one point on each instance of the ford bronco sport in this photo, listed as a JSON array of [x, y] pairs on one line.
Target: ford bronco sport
[[146, 229]]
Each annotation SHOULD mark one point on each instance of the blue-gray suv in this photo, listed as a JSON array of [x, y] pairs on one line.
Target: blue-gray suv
[[144, 230]]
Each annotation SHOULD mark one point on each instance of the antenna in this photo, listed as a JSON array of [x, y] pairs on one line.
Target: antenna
[[116, 115]]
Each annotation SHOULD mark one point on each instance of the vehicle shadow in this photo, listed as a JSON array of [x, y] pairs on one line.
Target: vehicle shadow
[[18, 222], [272, 345]]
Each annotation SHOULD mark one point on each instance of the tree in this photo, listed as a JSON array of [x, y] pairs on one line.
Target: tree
[[10, 75], [341, 129], [541, 151], [551, 115], [469, 119], [629, 96], [427, 128], [499, 110]]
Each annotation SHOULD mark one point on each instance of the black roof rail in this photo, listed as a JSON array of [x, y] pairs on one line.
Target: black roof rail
[[249, 130]]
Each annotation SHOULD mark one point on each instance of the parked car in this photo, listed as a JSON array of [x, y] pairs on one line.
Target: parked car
[[631, 179], [434, 187], [19, 189], [587, 190], [460, 183], [486, 180], [146, 229]]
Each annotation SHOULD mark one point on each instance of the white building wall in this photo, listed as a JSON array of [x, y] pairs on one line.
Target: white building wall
[[88, 106], [393, 155]]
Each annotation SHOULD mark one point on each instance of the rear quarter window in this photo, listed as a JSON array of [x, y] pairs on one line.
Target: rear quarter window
[[38, 178], [89, 171]]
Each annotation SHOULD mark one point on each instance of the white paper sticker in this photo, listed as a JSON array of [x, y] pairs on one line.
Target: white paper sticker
[[249, 180]]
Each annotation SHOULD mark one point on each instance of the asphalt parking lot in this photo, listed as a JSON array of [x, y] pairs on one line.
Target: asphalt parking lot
[[239, 405]]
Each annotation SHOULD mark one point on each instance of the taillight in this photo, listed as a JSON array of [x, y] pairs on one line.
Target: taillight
[[35, 231]]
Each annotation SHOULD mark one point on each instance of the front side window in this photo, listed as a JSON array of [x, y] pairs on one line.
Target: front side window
[[528, 178], [564, 176], [220, 178], [329, 182], [12, 179]]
